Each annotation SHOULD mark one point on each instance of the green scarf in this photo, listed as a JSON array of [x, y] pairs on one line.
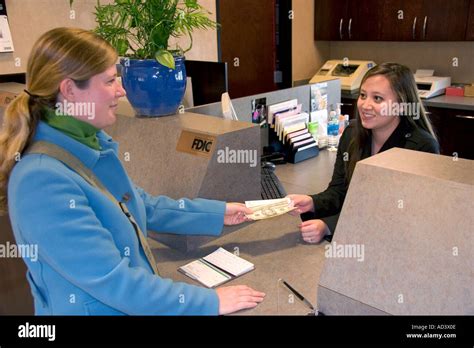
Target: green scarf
[[81, 131]]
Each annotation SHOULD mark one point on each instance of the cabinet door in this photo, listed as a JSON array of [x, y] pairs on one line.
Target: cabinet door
[[444, 20], [394, 20], [400, 20], [438, 121], [470, 23], [330, 20], [364, 22], [248, 33], [454, 129], [348, 107], [462, 128]]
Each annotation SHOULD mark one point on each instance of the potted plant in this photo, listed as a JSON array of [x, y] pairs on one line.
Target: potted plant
[[153, 73]]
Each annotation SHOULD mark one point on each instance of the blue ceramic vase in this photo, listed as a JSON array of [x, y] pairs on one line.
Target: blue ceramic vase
[[153, 89]]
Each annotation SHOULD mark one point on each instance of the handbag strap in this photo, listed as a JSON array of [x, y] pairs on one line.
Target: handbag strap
[[67, 158]]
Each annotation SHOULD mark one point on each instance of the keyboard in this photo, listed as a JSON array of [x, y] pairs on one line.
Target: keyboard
[[271, 185]]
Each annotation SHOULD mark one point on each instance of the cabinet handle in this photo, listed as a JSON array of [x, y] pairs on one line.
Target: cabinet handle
[[465, 116], [424, 27], [350, 28], [414, 29], [340, 28]]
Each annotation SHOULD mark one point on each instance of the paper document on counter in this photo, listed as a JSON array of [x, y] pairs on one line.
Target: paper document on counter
[[217, 268], [204, 273], [229, 262], [266, 209]]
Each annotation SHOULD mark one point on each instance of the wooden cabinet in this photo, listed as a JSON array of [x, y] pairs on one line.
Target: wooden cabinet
[[443, 20], [424, 20], [394, 20], [344, 20], [348, 107], [470, 23], [364, 20], [400, 20], [454, 129], [330, 21]]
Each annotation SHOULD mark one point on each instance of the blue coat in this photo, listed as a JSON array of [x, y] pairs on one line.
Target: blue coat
[[89, 257]]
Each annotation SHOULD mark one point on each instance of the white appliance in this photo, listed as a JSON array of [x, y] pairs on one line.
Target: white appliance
[[228, 111], [350, 72], [430, 86]]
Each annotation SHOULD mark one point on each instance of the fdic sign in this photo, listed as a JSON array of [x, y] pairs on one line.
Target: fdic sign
[[196, 144]]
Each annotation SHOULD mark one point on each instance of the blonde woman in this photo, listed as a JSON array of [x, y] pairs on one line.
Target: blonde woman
[[69, 195]]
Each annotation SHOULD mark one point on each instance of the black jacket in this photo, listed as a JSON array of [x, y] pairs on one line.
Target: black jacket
[[328, 204]]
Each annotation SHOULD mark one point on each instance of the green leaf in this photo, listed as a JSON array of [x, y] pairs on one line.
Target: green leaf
[[192, 4], [159, 36], [165, 58], [122, 47], [145, 26], [141, 54]]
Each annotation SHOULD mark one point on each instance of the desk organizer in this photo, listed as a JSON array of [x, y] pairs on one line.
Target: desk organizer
[[291, 155]]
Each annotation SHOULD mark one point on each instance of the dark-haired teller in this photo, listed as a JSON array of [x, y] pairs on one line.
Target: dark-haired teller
[[385, 90]]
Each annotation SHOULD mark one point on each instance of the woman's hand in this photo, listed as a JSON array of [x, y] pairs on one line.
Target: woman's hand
[[302, 203], [235, 298], [235, 214], [313, 231]]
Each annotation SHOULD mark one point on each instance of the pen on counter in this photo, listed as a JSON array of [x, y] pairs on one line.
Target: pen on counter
[[297, 294]]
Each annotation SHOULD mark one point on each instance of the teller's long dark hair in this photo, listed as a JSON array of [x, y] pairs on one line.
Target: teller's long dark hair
[[403, 84]]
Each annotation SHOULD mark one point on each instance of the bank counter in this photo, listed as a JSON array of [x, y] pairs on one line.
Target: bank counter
[[412, 212], [274, 246]]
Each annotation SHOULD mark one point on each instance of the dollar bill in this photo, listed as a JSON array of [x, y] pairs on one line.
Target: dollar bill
[[266, 209]]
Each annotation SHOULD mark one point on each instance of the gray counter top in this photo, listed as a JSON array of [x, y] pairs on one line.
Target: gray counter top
[[450, 102], [274, 246]]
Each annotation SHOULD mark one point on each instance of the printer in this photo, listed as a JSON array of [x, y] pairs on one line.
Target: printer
[[350, 72], [430, 86]]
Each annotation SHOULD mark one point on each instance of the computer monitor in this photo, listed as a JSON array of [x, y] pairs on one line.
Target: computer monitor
[[209, 80], [228, 111]]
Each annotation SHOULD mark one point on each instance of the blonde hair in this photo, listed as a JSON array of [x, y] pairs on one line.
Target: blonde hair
[[60, 53]]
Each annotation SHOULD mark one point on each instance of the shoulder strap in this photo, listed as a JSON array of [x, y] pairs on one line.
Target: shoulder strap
[[67, 158]]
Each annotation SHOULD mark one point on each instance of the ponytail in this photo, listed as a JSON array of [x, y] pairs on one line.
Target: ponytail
[[16, 132], [58, 54]]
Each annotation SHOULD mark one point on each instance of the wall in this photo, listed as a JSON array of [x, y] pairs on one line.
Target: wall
[[416, 55], [204, 41], [309, 56], [29, 19]]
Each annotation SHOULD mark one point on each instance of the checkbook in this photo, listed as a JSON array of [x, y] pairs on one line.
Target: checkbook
[[216, 268]]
